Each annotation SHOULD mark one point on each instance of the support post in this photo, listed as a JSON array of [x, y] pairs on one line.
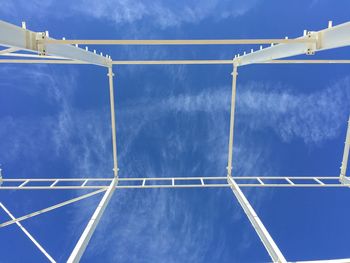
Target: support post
[[114, 137], [270, 245], [232, 119], [92, 224], [343, 178]]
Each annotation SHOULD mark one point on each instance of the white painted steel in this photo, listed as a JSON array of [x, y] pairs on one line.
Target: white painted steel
[[21, 38], [175, 41], [270, 245], [50, 208], [344, 163], [92, 224], [232, 119], [30, 56], [114, 136], [36, 243], [344, 260], [334, 37], [8, 50], [192, 182], [173, 62]]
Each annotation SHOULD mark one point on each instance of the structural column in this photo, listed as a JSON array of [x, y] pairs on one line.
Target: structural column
[[259, 227], [92, 224], [232, 119], [114, 136]]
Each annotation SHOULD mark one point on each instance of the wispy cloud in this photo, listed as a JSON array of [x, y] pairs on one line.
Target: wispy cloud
[[163, 13], [159, 13], [314, 117], [83, 138], [65, 131]]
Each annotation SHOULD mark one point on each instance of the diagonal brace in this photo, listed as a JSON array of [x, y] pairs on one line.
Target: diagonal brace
[[270, 245], [50, 208], [36, 243], [342, 178]]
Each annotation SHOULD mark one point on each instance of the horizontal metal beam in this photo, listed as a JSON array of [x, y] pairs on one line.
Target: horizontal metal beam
[[332, 37], [175, 62], [30, 56], [343, 260], [175, 42], [24, 39], [8, 50], [169, 182], [41, 61]]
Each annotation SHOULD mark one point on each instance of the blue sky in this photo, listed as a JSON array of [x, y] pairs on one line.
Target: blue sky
[[174, 121]]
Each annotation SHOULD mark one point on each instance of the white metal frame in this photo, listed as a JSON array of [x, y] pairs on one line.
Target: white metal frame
[[52, 51]]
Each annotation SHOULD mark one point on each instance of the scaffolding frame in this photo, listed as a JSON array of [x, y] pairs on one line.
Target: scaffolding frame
[[46, 50]]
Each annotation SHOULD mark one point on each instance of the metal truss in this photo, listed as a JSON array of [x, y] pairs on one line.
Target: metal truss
[[170, 182], [28, 47]]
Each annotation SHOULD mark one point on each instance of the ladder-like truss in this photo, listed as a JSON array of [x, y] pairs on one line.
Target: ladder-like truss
[[43, 49]]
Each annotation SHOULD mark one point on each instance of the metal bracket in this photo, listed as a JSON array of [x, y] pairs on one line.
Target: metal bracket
[[312, 46], [345, 180], [41, 46]]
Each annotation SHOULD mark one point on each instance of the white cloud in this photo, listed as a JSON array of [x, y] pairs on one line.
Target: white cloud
[[160, 13], [163, 13], [314, 117], [83, 137]]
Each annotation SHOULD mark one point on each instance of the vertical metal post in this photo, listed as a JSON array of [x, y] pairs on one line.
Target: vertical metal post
[[92, 224], [232, 119], [342, 178], [260, 229], [114, 137]]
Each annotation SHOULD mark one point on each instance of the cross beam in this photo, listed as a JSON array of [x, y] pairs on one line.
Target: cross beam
[[332, 37], [21, 38], [171, 182]]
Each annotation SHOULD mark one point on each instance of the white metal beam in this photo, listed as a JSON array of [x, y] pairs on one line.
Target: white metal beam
[[167, 182], [18, 37], [270, 245], [114, 136], [50, 208], [173, 62], [332, 37], [36, 243], [8, 50], [232, 120], [343, 260], [92, 224], [174, 41]]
